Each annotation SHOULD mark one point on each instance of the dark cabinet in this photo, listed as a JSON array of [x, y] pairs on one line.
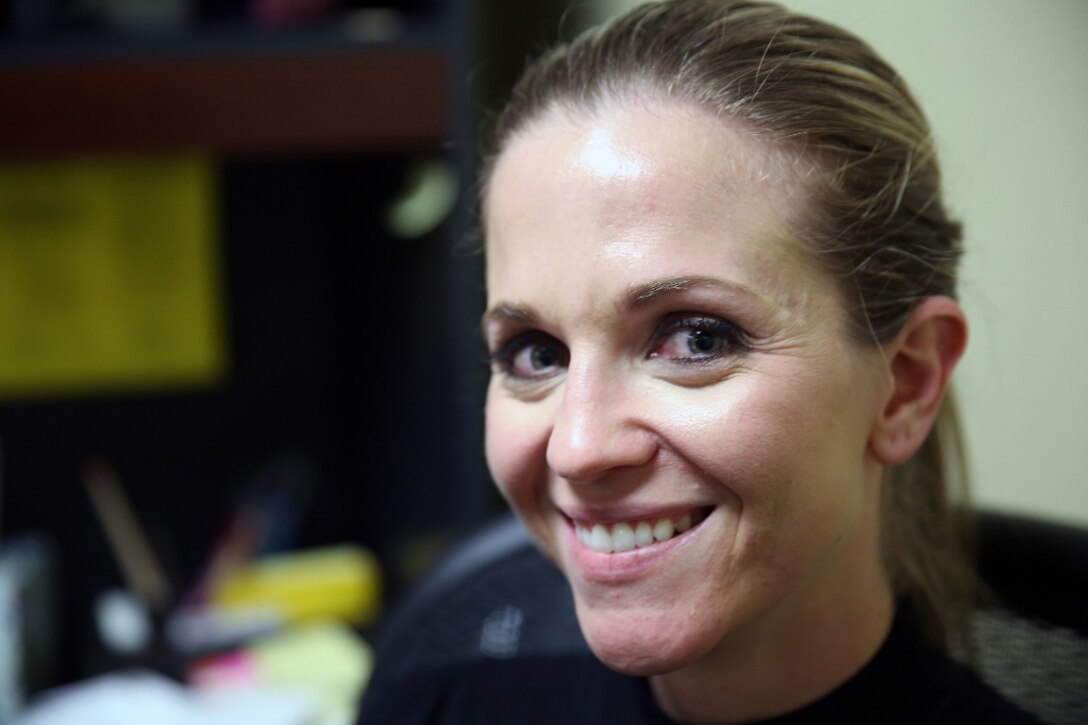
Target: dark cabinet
[[355, 368]]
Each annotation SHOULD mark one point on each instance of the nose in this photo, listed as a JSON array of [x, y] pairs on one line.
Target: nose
[[598, 426]]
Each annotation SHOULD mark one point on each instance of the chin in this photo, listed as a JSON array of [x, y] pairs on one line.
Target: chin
[[641, 645]]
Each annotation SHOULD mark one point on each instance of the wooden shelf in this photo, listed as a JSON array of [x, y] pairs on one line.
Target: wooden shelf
[[389, 96]]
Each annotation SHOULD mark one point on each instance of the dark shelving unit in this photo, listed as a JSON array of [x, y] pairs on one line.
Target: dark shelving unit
[[355, 360], [353, 355], [226, 92]]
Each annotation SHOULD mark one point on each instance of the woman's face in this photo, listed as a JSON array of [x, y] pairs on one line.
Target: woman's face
[[675, 409]]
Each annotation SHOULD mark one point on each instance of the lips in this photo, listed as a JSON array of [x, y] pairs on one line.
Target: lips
[[618, 549]]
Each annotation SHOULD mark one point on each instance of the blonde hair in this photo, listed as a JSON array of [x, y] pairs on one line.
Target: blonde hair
[[875, 220]]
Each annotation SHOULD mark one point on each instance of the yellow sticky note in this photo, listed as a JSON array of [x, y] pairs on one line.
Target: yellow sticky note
[[324, 659], [340, 582], [108, 275]]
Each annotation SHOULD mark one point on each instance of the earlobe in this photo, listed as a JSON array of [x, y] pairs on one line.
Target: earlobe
[[921, 359]]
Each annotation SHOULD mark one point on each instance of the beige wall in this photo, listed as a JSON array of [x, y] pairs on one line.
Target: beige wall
[[1006, 87]]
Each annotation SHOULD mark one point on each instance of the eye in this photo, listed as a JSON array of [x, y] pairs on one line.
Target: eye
[[696, 338], [531, 355]]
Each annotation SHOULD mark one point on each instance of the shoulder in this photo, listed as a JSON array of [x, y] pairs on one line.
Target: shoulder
[[910, 681], [959, 696], [918, 683], [569, 688]]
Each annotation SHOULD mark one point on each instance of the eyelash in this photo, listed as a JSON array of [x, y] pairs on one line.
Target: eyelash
[[508, 351], [733, 341]]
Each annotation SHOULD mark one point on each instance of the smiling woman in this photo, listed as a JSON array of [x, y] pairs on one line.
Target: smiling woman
[[699, 375], [721, 313]]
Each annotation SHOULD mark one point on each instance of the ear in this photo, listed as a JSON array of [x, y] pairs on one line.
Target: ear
[[920, 360]]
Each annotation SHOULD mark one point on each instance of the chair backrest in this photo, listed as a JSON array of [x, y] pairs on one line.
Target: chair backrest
[[496, 596], [493, 596], [1033, 634]]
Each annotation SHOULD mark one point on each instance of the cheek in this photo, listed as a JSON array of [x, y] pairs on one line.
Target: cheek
[[804, 452], [515, 449], [500, 458], [781, 446], [732, 432]]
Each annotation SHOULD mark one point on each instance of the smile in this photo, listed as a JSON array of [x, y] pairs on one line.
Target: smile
[[608, 538]]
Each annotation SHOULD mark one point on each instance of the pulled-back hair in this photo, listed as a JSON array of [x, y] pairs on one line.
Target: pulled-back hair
[[875, 219]]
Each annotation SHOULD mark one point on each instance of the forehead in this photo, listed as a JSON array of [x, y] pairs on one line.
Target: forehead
[[673, 185], [651, 148]]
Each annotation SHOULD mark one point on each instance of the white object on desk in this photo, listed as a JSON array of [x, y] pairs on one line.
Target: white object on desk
[[141, 698]]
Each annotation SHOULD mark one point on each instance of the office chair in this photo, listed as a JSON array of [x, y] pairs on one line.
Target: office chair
[[496, 596]]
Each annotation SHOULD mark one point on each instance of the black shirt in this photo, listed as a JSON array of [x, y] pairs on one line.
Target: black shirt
[[907, 681]]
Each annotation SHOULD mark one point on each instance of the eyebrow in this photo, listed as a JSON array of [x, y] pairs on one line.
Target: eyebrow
[[643, 294], [637, 296], [509, 312]]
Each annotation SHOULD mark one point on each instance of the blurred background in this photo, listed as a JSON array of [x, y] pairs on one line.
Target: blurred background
[[239, 298]]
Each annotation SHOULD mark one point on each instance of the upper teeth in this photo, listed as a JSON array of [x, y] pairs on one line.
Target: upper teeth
[[626, 536]]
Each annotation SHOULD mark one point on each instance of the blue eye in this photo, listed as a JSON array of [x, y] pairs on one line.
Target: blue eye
[[696, 338], [701, 342], [531, 355]]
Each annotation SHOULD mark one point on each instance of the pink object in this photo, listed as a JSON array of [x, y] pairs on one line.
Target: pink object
[[282, 13], [232, 669]]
